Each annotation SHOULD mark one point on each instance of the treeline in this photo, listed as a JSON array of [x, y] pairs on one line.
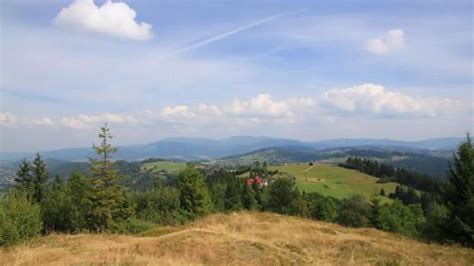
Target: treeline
[[388, 173], [97, 202]]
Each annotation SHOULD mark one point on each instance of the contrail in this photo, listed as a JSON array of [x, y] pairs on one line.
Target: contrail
[[235, 31]]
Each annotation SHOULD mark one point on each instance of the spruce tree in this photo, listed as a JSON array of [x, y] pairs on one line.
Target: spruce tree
[[249, 200], [194, 195], [459, 195], [24, 179], [40, 176], [107, 194], [232, 201], [375, 212]]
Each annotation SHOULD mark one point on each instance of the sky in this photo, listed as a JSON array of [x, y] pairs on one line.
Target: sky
[[307, 70]]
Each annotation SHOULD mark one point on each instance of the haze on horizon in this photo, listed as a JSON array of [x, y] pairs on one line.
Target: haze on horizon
[[301, 70]]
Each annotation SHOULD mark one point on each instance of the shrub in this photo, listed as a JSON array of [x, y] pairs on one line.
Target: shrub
[[20, 219], [159, 205], [323, 208], [282, 193], [354, 212]]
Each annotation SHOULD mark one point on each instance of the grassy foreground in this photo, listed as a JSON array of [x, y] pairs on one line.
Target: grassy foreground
[[338, 182], [238, 239]]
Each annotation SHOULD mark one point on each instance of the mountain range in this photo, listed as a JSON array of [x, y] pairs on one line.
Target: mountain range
[[206, 149]]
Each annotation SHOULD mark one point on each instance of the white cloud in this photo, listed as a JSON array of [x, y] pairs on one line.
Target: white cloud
[[260, 105], [7, 119], [177, 112], [372, 98], [256, 110], [390, 41], [91, 121], [116, 19], [43, 121]]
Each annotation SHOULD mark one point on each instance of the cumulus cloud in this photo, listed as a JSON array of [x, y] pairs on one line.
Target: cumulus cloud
[[261, 108], [43, 121], [83, 121], [115, 19], [390, 41], [177, 112], [260, 105], [375, 99], [7, 119]]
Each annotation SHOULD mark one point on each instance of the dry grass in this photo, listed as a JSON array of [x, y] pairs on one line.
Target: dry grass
[[238, 239]]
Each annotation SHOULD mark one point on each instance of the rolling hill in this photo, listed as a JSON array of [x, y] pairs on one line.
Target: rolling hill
[[338, 182], [238, 239], [422, 162]]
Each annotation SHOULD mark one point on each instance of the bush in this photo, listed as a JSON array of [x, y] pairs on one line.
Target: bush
[[354, 212], [323, 208], [282, 194], [20, 219], [397, 218], [160, 205]]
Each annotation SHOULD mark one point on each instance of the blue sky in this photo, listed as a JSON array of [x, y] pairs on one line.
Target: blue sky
[[298, 69]]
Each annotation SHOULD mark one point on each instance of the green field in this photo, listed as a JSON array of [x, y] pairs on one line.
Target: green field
[[331, 180], [168, 166]]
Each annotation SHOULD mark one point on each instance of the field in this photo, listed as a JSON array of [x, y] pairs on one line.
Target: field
[[331, 180], [238, 239], [168, 166]]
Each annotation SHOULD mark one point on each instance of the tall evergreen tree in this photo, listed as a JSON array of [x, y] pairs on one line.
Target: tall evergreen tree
[[194, 195], [459, 195], [249, 201], [375, 212], [40, 176], [24, 179], [108, 195], [232, 200]]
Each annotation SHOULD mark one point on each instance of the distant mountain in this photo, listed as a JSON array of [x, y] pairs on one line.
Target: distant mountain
[[429, 144], [204, 149]]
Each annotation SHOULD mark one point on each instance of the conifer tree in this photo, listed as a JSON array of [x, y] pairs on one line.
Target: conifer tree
[[232, 201], [375, 212], [107, 194], [194, 195], [40, 176], [24, 179], [459, 195], [249, 200]]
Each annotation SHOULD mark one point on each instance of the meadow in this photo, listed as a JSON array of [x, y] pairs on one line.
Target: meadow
[[243, 238], [338, 182], [168, 166]]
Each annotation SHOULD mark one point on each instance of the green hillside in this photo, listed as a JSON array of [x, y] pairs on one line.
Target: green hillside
[[168, 166], [330, 180]]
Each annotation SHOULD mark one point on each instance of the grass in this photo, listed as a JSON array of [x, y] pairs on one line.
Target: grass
[[338, 182], [238, 239], [158, 166]]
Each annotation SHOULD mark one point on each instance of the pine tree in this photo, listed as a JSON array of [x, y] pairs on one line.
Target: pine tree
[[194, 195], [232, 201], [459, 195], [108, 195], [249, 200], [375, 212], [382, 192], [40, 176], [24, 179]]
